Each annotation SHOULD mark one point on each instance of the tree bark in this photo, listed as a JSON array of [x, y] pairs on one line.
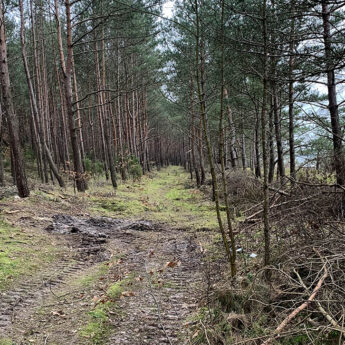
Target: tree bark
[[257, 148], [201, 155], [110, 155], [67, 74], [332, 96], [223, 96], [12, 120], [281, 169], [291, 95], [243, 152], [271, 146], [200, 74], [2, 177], [267, 254], [192, 128], [232, 130]]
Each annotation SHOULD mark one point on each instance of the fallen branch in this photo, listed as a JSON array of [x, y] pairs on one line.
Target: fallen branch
[[293, 314], [316, 184], [279, 191], [280, 204], [333, 322], [205, 330]]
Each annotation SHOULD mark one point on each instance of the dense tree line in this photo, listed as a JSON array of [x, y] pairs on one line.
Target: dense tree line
[[78, 84], [262, 80]]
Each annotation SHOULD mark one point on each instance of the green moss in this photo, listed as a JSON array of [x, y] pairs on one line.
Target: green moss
[[123, 208], [178, 194], [6, 341], [98, 326], [258, 327], [115, 290], [89, 279], [302, 339]]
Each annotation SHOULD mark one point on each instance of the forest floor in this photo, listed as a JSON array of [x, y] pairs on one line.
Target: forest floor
[[105, 267]]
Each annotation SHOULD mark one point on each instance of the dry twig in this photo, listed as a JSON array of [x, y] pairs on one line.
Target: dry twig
[[292, 315]]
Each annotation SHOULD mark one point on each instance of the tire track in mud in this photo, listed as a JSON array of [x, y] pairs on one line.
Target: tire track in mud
[[32, 292], [163, 299], [85, 250], [157, 313]]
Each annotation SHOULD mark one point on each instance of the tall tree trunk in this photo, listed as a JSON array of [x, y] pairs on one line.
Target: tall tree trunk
[[232, 130], [243, 145], [201, 155], [200, 75], [281, 169], [78, 112], [243, 152], [34, 108], [332, 96], [63, 138], [271, 145], [120, 119], [267, 237], [192, 128], [42, 171], [100, 111], [67, 73], [224, 95], [106, 114], [2, 176], [257, 148], [291, 95], [8, 108]]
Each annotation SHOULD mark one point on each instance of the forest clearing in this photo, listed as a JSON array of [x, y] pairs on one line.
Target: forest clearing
[[172, 172]]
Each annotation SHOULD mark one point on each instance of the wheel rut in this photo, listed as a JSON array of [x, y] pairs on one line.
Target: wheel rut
[[32, 292], [165, 265], [169, 265]]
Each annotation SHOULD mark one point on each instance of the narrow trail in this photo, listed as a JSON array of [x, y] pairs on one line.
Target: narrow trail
[[20, 302]]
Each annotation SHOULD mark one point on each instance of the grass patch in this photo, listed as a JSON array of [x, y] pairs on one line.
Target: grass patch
[[115, 290], [20, 254], [89, 280], [123, 207], [98, 327], [6, 341], [162, 196]]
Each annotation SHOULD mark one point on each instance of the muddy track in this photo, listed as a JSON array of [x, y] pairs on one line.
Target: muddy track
[[163, 297], [158, 312], [83, 252], [32, 292]]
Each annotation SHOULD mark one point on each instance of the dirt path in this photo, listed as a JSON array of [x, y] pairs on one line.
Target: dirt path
[[158, 311], [50, 308]]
